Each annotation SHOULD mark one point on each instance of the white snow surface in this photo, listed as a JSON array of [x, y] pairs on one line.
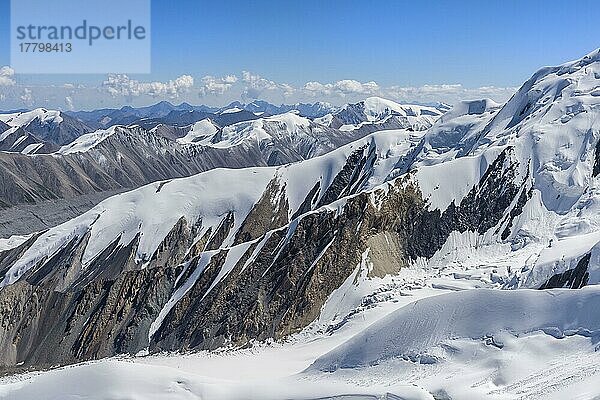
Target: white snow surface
[[231, 110], [88, 141], [199, 130], [516, 358], [22, 119], [412, 331]]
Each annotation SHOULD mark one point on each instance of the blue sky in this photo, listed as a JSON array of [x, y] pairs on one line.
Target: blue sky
[[392, 43]]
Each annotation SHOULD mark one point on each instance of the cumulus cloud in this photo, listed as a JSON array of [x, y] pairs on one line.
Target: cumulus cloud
[[341, 88], [122, 85], [216, 86], [27, 97], [7, 76], [256, 86], [69, 103], [117, 89]]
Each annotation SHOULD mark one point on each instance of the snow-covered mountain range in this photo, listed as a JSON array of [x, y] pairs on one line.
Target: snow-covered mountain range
[[184, 114], [402, 254], [99, 163]]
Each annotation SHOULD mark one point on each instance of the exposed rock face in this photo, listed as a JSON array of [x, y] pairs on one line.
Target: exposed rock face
[[596, 169], [4, 127], [294, 270], [20, 141], [61, 313], [575, 278], [270, 212]]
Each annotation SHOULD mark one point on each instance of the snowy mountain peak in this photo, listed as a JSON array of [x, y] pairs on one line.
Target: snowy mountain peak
[[378, 110], [50, 126], [376, 107], [248, 132], [22, 119], [199, 131], [574, 80], [89, 141]]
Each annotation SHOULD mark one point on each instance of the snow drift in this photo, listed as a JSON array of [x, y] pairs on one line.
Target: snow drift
[[413, 330]]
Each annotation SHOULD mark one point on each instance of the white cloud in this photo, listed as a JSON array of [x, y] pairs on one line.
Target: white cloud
[[341, 88], [118, 89], [256, 86], [6, 76], [450, 93], [258, 82], [27, 97], [216, 86], [69, 103], [122, 85]]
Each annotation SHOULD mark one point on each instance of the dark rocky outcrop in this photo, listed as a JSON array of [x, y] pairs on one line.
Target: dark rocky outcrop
[[60, 313], [270, 212], [296, 269], [596, 168], [575, 278]]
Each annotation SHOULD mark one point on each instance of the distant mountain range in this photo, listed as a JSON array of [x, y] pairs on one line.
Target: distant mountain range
[[51, 127], [42, 131], [185, 114]]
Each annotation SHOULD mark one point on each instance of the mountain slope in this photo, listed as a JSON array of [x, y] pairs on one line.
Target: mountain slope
[[121, 158], [16, 139], [49, 126], [229, 215], [232, 238]]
